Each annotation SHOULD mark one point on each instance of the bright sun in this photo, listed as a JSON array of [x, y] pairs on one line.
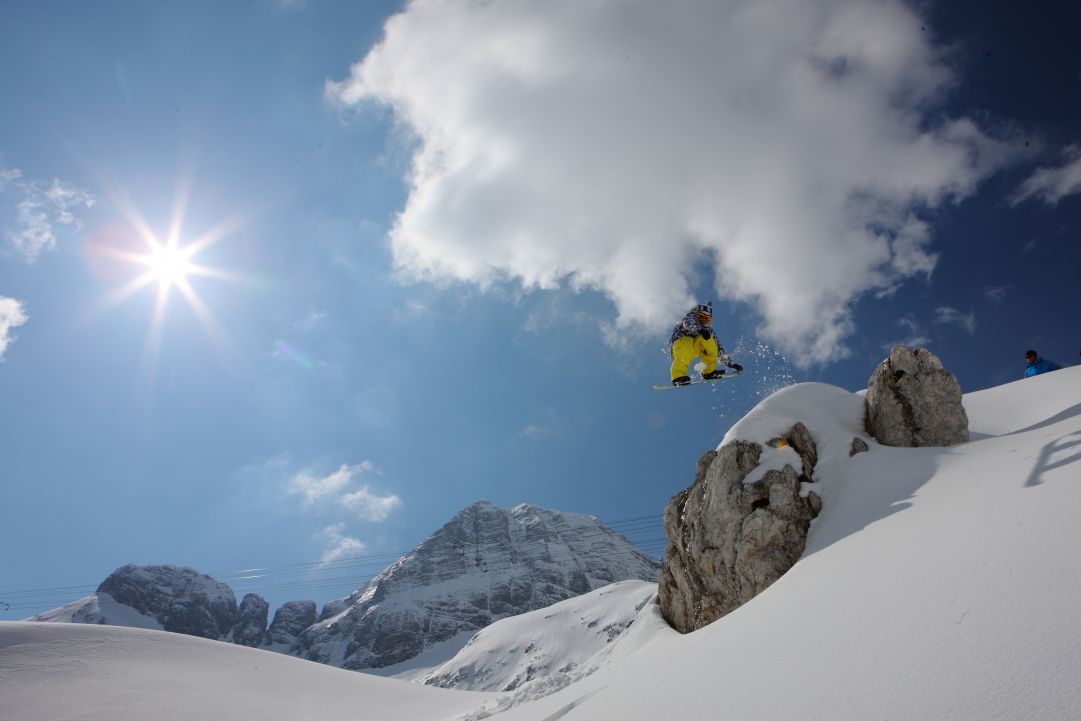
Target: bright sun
[[169, 264], [164, 262]]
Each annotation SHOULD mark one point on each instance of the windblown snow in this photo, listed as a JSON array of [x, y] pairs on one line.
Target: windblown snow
[[937, 583]]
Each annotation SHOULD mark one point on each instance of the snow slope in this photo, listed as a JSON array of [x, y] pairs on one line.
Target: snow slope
[[937, 583], [99, 608], [542, 651], [52, 671]]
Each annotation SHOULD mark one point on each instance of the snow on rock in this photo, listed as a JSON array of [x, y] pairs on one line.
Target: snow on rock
[[744, 521], [738, 528], [99, 608], [487, 563]]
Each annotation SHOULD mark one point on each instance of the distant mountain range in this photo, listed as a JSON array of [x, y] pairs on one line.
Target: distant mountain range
[[485, 564]]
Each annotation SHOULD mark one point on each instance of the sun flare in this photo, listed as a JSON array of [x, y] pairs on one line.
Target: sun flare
[[161, 262], [169, 264]]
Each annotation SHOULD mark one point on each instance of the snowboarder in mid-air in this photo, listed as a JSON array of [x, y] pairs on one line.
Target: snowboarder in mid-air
[[693, 337]]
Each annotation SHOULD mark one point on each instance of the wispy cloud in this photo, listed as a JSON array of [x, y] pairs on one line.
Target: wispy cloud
[[339, 545], [12, 315], [951, 316], [368, 505], [343, 489], [313, 319], [790, 147], [996, 293], [915, 334], [1052, 184], [38, 208], [533, 433]]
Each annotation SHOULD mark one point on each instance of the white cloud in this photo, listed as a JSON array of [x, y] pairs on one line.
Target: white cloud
[[339, 545], [38, 209], [12, 315], [996, 293], [952, 316], [790, 146], [1053, 184], [370, 506], [342, 489]]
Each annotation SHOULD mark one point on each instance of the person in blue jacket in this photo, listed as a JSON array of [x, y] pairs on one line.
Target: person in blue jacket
[[1037, 365]]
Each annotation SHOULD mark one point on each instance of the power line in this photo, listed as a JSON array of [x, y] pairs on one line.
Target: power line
[[37, 597]]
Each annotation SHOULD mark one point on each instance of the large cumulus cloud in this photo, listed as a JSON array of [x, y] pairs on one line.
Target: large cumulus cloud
[[793, 148]]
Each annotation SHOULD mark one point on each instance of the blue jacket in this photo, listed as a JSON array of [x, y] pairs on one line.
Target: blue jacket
[[1041, 365]]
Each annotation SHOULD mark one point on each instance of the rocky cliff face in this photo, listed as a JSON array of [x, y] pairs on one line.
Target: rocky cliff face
[[487, 563], [184, 601], [731, 535], [289, 622], [913, 401], [251, 621]]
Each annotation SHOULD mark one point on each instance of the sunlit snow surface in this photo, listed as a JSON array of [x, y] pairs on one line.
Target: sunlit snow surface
[[937, 583]]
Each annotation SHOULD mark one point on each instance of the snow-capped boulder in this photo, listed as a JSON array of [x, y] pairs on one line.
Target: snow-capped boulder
[[289, 622], [735, 531], [180, 598], [913, 401], [487, 563]]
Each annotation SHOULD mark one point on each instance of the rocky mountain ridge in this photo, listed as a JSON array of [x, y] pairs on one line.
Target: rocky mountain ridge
[[485, 564]]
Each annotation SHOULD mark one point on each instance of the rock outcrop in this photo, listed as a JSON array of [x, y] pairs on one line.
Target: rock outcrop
[[182, 600], [289, 622], [487, 563], [251, 621], [913, 401], [728, 540]]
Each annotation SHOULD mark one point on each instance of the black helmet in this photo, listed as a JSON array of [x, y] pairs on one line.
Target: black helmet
[[706, 309]]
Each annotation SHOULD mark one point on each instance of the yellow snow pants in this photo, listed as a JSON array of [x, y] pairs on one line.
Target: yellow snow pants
[[686, 349]]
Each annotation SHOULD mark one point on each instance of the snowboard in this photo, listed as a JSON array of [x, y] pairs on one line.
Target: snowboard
[[697, 382]]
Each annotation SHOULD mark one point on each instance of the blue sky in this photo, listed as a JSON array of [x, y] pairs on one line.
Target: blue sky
[[441, 256]]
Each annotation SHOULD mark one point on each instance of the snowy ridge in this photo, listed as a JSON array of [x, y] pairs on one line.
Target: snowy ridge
[[99, 608], [543, 651]]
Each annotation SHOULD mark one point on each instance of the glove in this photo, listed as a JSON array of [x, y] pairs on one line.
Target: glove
[[736, 367], [705, 334]]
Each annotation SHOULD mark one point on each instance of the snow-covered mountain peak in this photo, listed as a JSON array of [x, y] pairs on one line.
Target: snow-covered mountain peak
[[486, 563]]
